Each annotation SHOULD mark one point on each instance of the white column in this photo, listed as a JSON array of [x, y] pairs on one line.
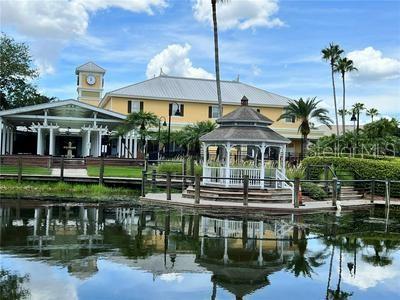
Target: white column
[[226, 257], [131, 145], [135, 147], [284, 160], [1, 136], [12, 142], [227, 163], [39, 141], [4, 140], [88, 143], [8, 140], [262, 171], [99, 144], [119, 146], [260, 254], [51, 142]]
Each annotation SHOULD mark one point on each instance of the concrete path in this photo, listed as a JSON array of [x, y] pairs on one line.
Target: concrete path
[[70, 172]]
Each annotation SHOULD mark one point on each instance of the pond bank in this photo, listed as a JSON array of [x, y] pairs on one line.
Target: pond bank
[[65, 191]]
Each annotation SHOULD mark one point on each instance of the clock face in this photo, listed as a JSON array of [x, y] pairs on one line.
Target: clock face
[[90, 79]]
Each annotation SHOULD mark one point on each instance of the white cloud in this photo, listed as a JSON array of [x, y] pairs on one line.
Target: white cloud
[[242, 14], [372, 65], [174, 60], [50, 25]]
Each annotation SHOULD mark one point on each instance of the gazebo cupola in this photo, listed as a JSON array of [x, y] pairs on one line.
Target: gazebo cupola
[[243, 144]]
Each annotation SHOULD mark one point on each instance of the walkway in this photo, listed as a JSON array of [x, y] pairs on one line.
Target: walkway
[[179, 200], [70, 172]]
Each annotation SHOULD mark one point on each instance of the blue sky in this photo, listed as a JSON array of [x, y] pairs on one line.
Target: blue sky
[[274, 45]]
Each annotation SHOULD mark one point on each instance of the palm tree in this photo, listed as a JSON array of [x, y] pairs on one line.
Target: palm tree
[[217, 77], [332, 54], [140, 122], [343, 66], [305, 112], [192, 133], [372, 112], [357, 109]]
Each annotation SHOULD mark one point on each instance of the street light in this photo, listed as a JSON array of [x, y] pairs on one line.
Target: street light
[[159, 133], [177, 113]]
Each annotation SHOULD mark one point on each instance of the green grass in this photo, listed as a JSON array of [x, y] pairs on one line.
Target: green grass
[[62, 189], [27, 170], [116, 171]]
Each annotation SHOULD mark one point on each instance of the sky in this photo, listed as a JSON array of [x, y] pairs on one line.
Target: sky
[[274, 45]]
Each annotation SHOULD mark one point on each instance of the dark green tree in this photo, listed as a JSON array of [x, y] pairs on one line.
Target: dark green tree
[[16, 71], [11, 285]]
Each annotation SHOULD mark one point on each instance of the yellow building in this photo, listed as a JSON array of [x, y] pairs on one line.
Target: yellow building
[[196, 100]]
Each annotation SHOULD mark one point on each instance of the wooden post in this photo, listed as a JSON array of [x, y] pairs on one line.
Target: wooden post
[[334, 191], [197, 189], [144, 179], [101, 172], [184, 175], [245, 190], [168, 185], [154, 179], [372, 189], [62, 168], [387, 193], [19, 169], [296, 192]]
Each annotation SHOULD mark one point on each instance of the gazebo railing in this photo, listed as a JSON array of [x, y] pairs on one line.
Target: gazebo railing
[[214, 175], [236, 175]]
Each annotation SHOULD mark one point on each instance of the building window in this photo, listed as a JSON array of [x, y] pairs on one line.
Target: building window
[[291, 119], [213, 112], [135, 106], [176, 109]]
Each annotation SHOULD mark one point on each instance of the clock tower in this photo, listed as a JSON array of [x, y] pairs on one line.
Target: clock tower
[[90, 83]]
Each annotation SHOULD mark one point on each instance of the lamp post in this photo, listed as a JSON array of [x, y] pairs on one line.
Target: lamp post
[[177, 113], [159, 133], [353, 119]]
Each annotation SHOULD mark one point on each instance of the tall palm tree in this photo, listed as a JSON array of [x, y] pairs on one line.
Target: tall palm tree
[[372, 112], [305, 112], [343, 66], [216, 51], [332, 54]]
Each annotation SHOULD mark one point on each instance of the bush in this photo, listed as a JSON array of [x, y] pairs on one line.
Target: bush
[[313, 190], [361, 168], [173, 168]]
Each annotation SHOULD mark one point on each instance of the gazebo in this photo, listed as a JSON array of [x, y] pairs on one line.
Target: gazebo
[[244, 144]]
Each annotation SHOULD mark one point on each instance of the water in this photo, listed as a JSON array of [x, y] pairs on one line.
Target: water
[[71, 251]]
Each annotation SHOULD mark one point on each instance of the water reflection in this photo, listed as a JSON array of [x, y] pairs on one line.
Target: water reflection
[[241, 256]]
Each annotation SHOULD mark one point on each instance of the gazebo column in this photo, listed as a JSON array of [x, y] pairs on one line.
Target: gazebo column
[[283, 159], [260, 254], [262, 170], [227, 163]]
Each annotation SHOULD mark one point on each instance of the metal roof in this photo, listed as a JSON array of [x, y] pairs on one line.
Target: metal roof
[[199, 90], [244, 114], [90, 67]]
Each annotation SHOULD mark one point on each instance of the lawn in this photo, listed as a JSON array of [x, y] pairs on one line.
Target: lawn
[[27, 170], [116, 171]]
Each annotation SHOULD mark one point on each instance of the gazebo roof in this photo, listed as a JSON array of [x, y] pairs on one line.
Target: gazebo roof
[[244, 125]]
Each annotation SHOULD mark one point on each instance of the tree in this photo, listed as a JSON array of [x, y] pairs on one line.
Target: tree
[[192, 133], [305, 112], [372, 112], [332, 54], [216, 52], [16, 71], [343, 66], [357, 109], [140, 122]]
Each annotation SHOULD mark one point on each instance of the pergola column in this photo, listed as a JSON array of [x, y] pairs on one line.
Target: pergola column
[[99, 143], [135, 146], [1, 136], [227, 163], [39, 140], [119, 145], [51, 142], [12, 142]]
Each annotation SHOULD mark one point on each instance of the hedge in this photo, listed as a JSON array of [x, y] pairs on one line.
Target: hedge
[[313, 190], [361, 168], [176, 168]]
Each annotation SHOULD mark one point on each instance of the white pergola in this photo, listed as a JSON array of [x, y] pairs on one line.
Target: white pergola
[[241, 143], [65, 118]]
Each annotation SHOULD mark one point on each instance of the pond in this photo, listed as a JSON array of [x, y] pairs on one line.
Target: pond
[[91, 251]]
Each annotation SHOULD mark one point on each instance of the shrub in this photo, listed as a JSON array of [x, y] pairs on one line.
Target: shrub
[[361, 168], [174, 168], [295, 172], [313, 190]]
